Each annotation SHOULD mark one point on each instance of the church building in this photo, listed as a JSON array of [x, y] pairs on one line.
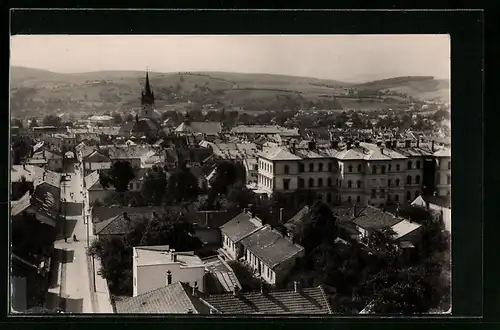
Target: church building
[[145, 123]]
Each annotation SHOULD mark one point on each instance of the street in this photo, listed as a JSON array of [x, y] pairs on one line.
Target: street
[[76, 272]]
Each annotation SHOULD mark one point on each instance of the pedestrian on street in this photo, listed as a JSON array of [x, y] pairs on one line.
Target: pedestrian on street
[[65, 239], [74, 238]]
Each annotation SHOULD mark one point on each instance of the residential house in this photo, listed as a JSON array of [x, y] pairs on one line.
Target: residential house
[[234, 231], [96, 192], [95, 161], [159, 266], [271, 255], [209, 130], [443, 171], [22, 176], [252, 131]]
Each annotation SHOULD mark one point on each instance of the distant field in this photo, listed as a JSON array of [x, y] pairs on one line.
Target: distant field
[[36, 91]]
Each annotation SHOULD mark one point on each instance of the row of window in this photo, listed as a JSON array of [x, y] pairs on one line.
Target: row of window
[[265, 181], [250, 258]]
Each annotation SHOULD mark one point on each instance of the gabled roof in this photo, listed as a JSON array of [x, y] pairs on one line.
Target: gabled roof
[[96, 157], [373, 218], [175, 298], [270, 246], [29, 172], [92, 181], [46, 199], [443, 201], [404, 227], [445, 152], [276, 302], [208, 128], [102, 213], [21, 204], [119, 225], [240, 226], [297, 218], [278, 154]]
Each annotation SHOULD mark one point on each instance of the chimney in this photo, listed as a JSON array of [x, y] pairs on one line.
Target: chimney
[[382, 150], [407, 143], [281, 215], [195, 290], [432, 145], [173, 255], [312, 145], [24, 166], [355, 209], [418, 143], [296, 286], [136, 118], [169, 277], [236, 291], [427, 205]]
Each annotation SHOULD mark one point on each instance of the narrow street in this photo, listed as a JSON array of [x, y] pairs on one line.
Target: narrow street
[[76, 285]]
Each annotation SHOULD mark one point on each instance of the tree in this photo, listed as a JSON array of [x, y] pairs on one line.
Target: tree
[[227, 173], [129, 118], [239, 196], [119, 176], [33, 123], [318, 226], [182, 185], [117, 118], [155, 185], [52, 120]]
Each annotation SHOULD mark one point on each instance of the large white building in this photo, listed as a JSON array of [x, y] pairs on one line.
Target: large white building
[[158, 266], [360, 173]]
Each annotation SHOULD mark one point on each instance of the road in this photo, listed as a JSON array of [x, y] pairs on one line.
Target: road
[[76, 281]]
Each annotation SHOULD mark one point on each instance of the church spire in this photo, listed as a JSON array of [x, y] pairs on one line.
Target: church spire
[[148, 88], [147, 96]]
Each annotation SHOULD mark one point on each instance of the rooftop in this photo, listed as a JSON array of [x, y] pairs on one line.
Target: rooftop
[[161, 255], [270, 246], [240, 227], [29, 172], [278, 153], [277, 302], [373, 218], [404, 227], [175, 298]]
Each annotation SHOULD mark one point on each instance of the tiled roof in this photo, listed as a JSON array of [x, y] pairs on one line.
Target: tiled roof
[[240, 227], [96, 157], [278, 154], [208, 128], [270, 246], [277, 302], [21, 204], [373, 218], [92, 181], [445, 152], [175, 298], [264, 129], [102, 213], [404, 227], [297, 218], [443, 201], [377, 151], [128, 152], [413, 152], [29, 172], [50, 177], [119, 225]]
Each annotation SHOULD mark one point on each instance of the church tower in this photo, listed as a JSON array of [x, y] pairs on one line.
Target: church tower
[[147, 100]]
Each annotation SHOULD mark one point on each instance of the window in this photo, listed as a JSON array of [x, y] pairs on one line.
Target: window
[[408, 179], [360, 168], [396, 198], [301, 167], [417, 193], [349, 199], [397, 182], [382, 193], [320, 182], [397, 167], [311, 167], [438, 179], [408, 196], [286, 184], [349, 184], [358, 199], [418, 164], [448, 179], [449, 165], [329, 182], [383, 169], [389, 169], [311, 182], [330, 167], [349, 168], [287, 169], [389, 182], [374, 170], [410, 165], [320, 167], [301, 183], [389, 197], [359, 184], [131, 185], [255, 168], [374, 193], [417, 179], [328, 197]]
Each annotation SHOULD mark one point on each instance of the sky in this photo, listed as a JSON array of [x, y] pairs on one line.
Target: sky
[[349, 58]]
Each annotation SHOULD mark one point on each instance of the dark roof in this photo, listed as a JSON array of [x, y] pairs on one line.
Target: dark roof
[[128, 152], [208, 128], [306, 301], [297, 218], [175, 298], [119, 225], [373, 218], [240, 227], [210, 219], [46, 199], [270, 246], [102, 213], [344, 213], [96, 157]]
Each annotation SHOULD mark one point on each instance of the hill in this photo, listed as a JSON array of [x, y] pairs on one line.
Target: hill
[[37, 92], [420, 87]]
